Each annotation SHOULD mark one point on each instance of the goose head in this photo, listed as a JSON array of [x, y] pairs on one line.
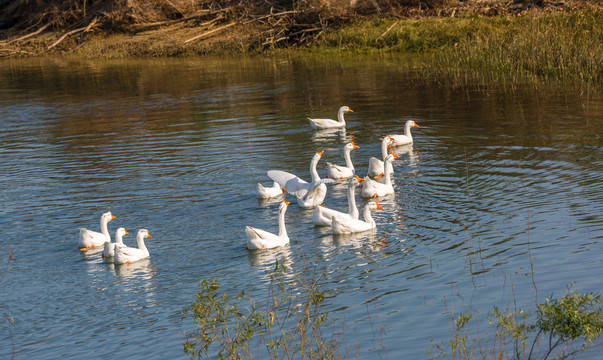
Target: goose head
[[345, 109], [391, 157], [356, 180], [283, 206], [350, 146], [374, 205], [106, 217], [121, 232], [317, 157], [143, 233]]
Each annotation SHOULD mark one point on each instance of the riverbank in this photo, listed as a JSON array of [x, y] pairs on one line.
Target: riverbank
[[510, 42]]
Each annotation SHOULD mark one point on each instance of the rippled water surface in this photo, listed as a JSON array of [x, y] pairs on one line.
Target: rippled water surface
[[498, 202]]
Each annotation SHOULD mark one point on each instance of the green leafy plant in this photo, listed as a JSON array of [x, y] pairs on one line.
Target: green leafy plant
[[289, 323], [562, 328]]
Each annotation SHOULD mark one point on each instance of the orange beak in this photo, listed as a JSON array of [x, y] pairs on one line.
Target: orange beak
[[320, 153], [355, 146], [415, 124], [359, 179], [395, 156], [350, 110], [378, 206], [113, 217], [287, 203], [126, 231]]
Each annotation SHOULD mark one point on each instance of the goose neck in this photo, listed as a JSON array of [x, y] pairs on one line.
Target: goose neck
[[340, 116], [140, 242], [313, 172], [103, 225], [282, 229], [384, 144], [367, 216], [348, 158], [352, 208], [407, 130]]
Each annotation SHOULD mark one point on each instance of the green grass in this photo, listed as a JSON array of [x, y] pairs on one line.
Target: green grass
[[542, 47]]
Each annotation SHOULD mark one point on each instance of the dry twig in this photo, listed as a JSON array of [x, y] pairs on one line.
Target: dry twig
[[82, 29], [27, 36]]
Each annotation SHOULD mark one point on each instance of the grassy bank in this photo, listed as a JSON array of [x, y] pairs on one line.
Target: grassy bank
[[556, 46], [533, 44]]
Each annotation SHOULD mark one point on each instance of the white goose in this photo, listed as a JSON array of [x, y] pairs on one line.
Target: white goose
[[372, 188], [269, 192], [108, 251], [308, 194], [262, 239], [343, 172], [375, 168], [405, 139], [89, 239], [126, 254], [320, 124], [349, 226], [323, 215]]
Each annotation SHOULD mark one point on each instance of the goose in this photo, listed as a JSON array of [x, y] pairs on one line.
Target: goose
[[348, 226], [322, 215], [308, 194], [126, 254], [109, 251], [320, 124], [372, 188], [405, 139], [89, 239], [269, 192], [262, 239], [343, 172], [375, 168]]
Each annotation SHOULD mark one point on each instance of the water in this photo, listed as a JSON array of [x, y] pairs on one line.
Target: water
[[498, 201]]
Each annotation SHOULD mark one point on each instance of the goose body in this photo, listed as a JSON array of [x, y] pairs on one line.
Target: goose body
[[320, 124], [269, 192], [405, 139], [109, 250], [90, 239], [308, 194], [349, 226], [372, 188], [376, 166], [323, 215], [262, 239], [126, 254], [338, 172]]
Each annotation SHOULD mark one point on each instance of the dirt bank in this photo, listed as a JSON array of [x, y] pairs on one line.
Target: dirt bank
[[105, 28]]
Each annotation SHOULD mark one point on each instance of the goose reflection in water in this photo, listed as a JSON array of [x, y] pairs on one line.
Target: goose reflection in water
[[270, 256], [328, 135], [141, 269]]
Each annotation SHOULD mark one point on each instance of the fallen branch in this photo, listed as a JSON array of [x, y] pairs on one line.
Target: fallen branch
[[82, 29], [205, 34], [27, 36], [200, 14], [388, 29], [271, 15]]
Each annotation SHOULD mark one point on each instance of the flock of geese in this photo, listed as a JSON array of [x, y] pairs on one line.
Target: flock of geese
[[311, 194], [117, 252]]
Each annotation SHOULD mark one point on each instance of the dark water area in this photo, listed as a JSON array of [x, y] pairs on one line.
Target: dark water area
[[497, 203]]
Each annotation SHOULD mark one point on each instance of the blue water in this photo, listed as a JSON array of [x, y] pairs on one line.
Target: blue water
[[497, 203]]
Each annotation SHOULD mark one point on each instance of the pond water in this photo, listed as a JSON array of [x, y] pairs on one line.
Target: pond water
[[497, 203]]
